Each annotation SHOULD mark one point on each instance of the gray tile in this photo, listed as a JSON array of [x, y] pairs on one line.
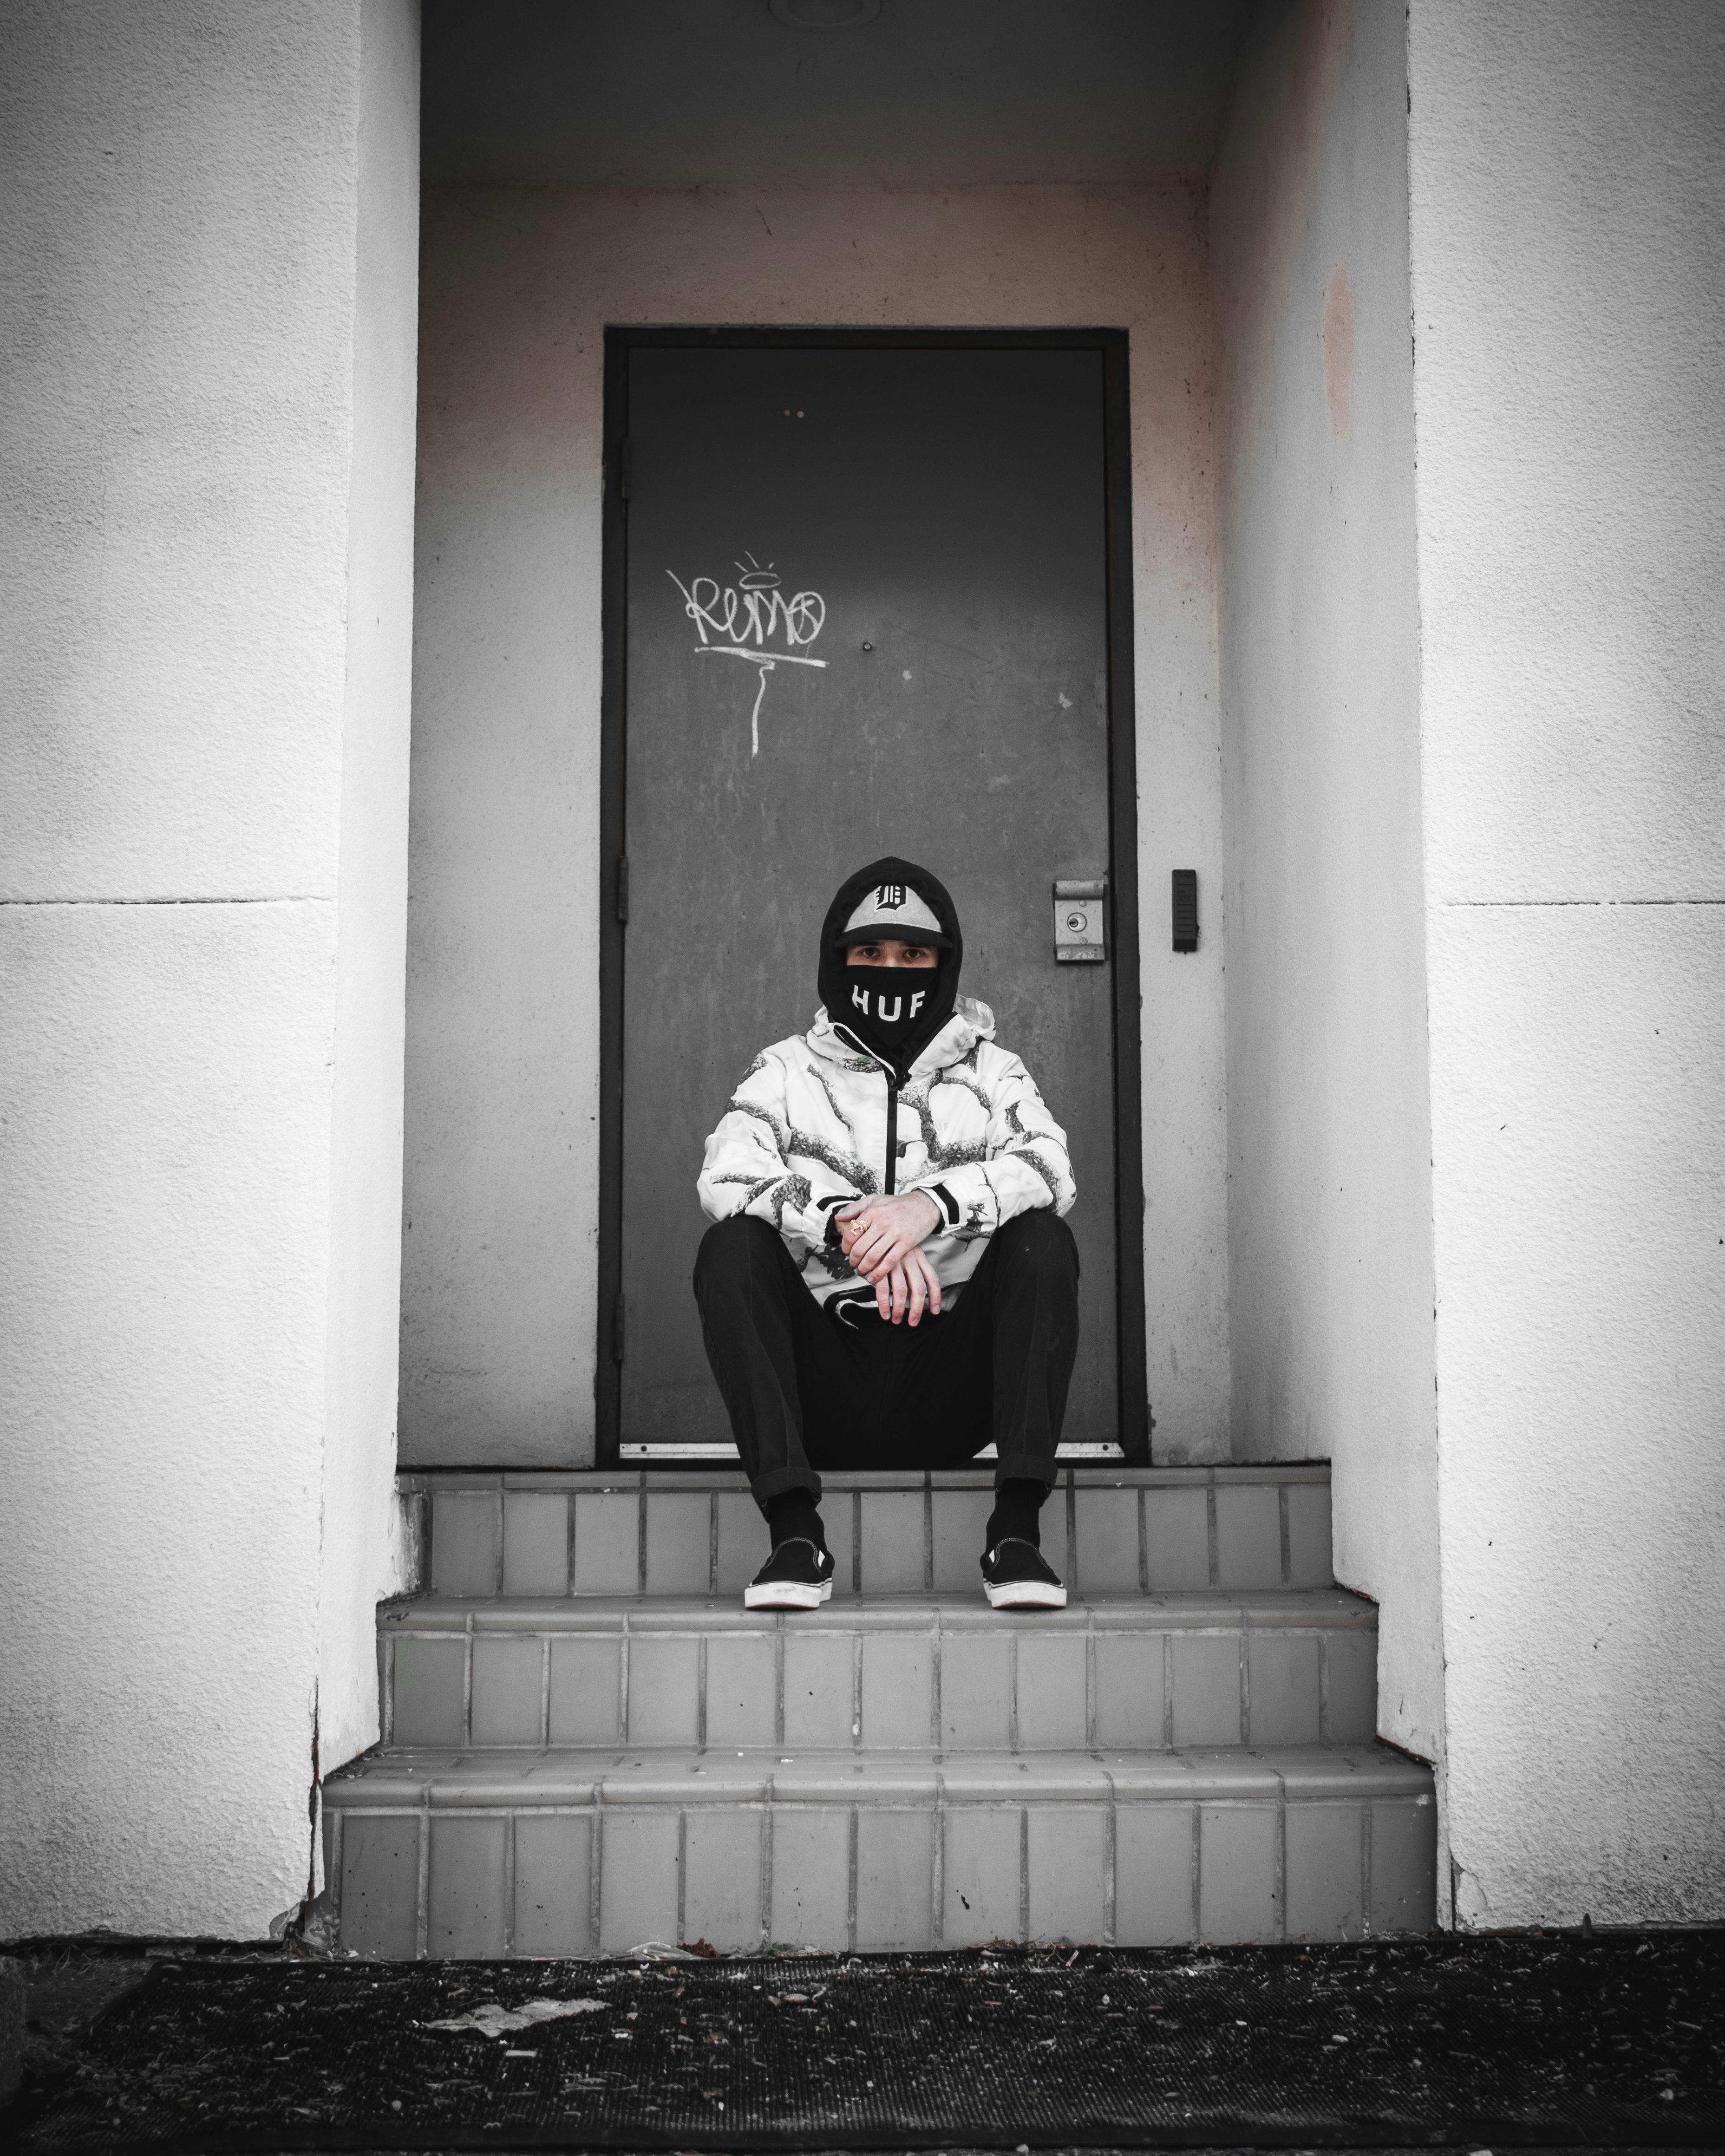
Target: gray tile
[[811, 1877], [1325, 1872], [1130, 1708], [722, 1879], [1107, 1534], [1283, 1678], [1403, 1866], [976, 1690], [1206, 1686], [895, 1860], [663, 1691], [608, 1553], [1069, 1873], [897, 1676], [466, 1902], [553, 1883], [1177, 1538], [1236, 1884], [1248, 1535], [535, 1542], [960, 1517], [819, 1687], [1051, 1694], [1154, 1871], [1352, 1685], [892, 1541], [508, 1682], [586, 1688], [380, 1884], [980, 1875], [742, 1541], [638, 1886], [464, 1541], [430, 1680], [680, 1536], [1310, 1561], [742, 1690]]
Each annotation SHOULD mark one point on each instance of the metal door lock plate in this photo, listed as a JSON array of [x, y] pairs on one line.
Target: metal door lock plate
[[1080, 918]]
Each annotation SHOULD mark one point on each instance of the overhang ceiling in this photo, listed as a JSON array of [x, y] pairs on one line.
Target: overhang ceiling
[[932, 93]]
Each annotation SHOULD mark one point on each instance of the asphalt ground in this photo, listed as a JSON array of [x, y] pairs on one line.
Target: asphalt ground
[[1612, 2041]]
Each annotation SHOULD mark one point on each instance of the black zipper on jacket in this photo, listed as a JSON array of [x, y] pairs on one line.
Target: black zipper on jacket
[[862, 1048]]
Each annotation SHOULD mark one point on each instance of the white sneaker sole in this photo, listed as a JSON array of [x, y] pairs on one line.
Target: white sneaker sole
[[790, 1594], [1025, 1594]]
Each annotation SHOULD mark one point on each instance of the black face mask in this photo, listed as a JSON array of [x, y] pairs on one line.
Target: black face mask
[[884, 1005]]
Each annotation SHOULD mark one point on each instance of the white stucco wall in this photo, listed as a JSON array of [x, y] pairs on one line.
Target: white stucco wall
[[499, 1266], [203, 893], [1330, 1219], [1567, 200]]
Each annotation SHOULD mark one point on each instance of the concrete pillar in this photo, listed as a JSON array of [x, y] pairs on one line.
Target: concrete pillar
[[209, 272], [1567, 192]]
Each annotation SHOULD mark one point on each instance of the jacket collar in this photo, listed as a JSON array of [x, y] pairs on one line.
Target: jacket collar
[[970, 1023]]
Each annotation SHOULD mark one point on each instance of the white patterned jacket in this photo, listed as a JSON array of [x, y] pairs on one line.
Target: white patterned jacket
[[806, 1131]]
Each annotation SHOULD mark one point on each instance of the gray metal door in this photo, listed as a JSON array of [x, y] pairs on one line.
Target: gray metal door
[[914, 540]]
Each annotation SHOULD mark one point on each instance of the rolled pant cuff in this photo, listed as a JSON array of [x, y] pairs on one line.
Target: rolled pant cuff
[[778, 1480], [1027, 1467]]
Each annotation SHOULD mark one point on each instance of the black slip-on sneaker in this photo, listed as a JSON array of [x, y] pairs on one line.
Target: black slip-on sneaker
[[1017, 1576], [797, 1576]]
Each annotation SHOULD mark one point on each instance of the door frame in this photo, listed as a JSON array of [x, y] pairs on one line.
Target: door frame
[[1135, 1421]]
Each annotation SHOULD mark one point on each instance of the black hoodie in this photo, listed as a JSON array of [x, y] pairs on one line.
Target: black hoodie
[[834, 985]]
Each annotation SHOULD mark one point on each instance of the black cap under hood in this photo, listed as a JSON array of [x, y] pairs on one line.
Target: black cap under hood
[[889, 869]]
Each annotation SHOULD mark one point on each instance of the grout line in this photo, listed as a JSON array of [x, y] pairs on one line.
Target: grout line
[[767, 1839], [1143, 1545], [596, 1861], [544, 1692], [1012, 1692], [467, 1682], [1071, 1529], [1111, 1866], [641, 1503], [856, 1540], [1323, 1687], [777, 1683], [937, 1867], [334, 1859], [1213, 1540], [510, 1821], [422, 1885], [386, 1705], [712, 1542], [1366, 1855], [1168, 1691], [1282, 1514], [851, 1891], [857, 1687], [1246, 1678], [700, 1697], [570, 1503], [1278, 1884], [1197, 1871], [682, 1932], [497, 1554], [927, 1533], [937, 1640], [1023, 1874], [1090, 1680], [623, 1640]]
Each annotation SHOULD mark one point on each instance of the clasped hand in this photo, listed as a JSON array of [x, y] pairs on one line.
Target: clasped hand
[[883, 1237]]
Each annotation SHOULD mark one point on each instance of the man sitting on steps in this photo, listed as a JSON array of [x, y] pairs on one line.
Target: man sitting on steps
[[889, 1283]]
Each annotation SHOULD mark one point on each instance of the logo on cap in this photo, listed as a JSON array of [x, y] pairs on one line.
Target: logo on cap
[[889, 898]]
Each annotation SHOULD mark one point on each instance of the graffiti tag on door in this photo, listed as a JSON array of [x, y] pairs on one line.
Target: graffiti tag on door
[[754, 620]]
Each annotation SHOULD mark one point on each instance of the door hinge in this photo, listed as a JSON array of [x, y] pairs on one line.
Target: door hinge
[[622, 893], [618, 1308], [625, 467]]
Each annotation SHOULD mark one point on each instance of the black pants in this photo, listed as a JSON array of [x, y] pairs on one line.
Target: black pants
[[806, 1392]]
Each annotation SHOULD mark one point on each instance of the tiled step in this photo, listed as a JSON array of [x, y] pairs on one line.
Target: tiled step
[[1274, 1666], [1115, 1530], [573, 1852]]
